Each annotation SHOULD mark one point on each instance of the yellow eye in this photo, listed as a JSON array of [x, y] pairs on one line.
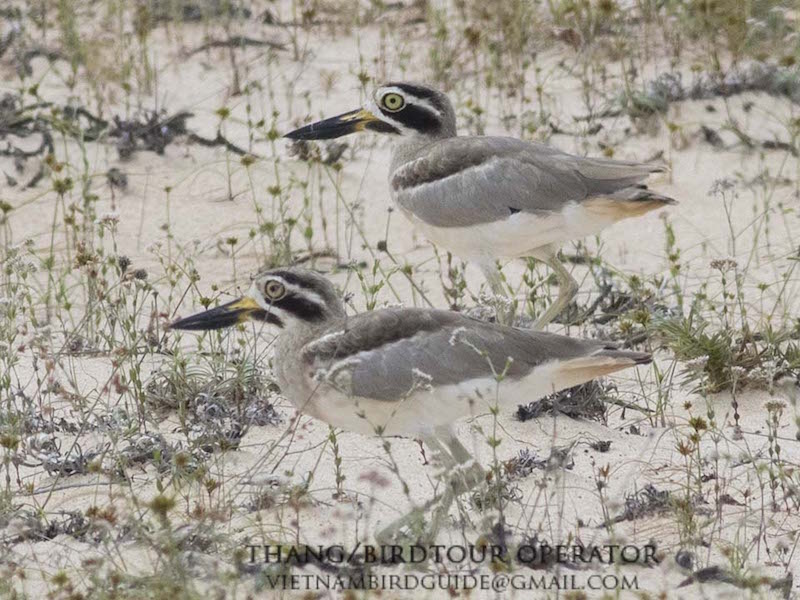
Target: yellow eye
[[393, 102], [274, 290]]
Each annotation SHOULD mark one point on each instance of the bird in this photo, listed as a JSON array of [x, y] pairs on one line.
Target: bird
[[488, 198], [409, 372]]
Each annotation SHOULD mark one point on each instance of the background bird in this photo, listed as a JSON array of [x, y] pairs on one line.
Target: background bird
[[406, 371], [485, 198]]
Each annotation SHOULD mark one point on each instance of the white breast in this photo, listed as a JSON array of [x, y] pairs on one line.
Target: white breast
[[520, 235], [439, 406]]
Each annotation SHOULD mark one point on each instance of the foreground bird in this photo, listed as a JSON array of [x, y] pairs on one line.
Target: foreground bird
[[406, 371], [486, 198]]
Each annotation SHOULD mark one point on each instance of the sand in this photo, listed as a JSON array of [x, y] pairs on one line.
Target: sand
[[212, 197]]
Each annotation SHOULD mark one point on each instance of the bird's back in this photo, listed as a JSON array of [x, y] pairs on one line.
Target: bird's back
[[401, 371], [384, 354], [465, 181]]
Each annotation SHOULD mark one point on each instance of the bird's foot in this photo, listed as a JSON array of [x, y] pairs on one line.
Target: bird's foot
[[404, 532], [466, 477]]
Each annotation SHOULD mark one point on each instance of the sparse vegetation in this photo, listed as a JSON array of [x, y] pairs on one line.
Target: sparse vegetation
[[144, 176]]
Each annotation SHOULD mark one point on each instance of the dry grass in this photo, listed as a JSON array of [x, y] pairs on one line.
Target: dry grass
[[143, 176]]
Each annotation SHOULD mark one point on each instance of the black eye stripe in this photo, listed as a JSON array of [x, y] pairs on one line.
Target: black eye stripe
[[300, 307], [416, 118], [272, 318], [382, 127]]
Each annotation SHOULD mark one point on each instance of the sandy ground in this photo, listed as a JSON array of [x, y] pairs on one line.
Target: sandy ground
[[212, 197]]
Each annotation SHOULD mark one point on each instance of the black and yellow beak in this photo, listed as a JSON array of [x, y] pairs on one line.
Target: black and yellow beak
[[238, 311], [349, 122]]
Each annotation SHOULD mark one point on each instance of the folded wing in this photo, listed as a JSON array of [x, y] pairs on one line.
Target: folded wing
[[387, 354], [465, 181]]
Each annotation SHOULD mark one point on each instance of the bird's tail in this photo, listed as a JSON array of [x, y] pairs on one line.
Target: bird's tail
[[628, 202], [602, 362]]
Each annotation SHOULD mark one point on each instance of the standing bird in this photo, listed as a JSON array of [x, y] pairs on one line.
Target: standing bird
[[485, 197], [406, 371]]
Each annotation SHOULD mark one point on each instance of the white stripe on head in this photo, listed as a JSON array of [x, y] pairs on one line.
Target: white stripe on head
[[372, 105], [257, 294]]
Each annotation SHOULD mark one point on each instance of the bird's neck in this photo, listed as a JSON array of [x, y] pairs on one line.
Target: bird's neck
[[296, 333], [407, 148], [303, 328]]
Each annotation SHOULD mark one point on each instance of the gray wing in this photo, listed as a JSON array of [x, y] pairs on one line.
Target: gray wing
[[386, 354], [463, 181]]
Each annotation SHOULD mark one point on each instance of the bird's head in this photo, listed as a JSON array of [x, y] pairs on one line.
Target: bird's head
[[402, 109], [280, 297]]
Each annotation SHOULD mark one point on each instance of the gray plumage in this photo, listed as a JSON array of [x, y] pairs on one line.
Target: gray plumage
[[408, 371], [447, 181], [386, 353], [488, 198], [462, 181]]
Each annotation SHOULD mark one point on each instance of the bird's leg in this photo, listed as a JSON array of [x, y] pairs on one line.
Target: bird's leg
[[460, 474], [471, 471], [567, 288], [415, 519], [503, 302], [439, 516], [457, 449]]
